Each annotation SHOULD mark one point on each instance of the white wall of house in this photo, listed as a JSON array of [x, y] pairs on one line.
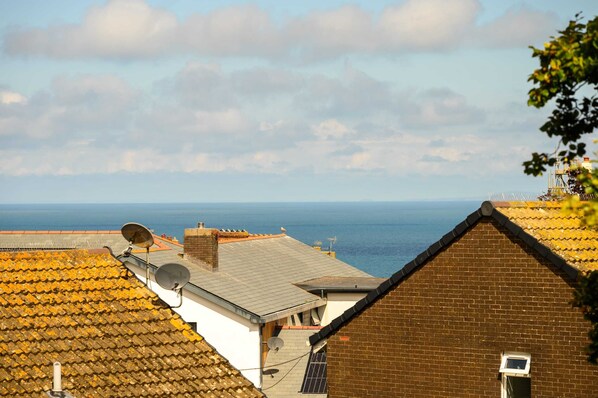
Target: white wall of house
[[338, 303], [234, 337]]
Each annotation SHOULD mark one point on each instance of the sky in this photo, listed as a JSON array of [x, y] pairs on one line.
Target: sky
[[128, 101]]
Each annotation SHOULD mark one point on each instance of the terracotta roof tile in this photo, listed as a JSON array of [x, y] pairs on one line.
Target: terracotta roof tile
[[561, 232], [110, 333]]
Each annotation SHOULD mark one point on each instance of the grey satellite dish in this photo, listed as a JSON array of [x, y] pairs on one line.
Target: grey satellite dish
[[138, 235], [271, 372], [275, 343], [173, 276]]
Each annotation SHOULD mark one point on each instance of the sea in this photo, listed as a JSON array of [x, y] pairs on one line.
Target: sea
[[376, 237]]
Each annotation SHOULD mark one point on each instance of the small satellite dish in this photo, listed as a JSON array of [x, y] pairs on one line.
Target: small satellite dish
[[275, 343], [138, 235], [172, 276], [271, 372]]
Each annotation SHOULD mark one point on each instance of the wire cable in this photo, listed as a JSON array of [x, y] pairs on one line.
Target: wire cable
[[276, 364], [286, 374]]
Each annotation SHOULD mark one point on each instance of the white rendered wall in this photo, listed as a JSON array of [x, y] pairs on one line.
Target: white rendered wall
[[234, 337], [337, 303]]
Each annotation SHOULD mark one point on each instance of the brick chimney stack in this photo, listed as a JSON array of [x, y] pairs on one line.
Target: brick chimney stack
[[202, 244]]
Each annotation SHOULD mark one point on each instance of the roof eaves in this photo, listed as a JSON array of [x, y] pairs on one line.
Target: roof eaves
[[398, 276], [252, 317], [317, 302]]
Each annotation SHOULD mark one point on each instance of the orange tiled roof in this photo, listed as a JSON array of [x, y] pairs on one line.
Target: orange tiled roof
[[559, 231], [112, 335], [222, 238]]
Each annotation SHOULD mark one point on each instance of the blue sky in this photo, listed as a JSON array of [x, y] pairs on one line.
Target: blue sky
[[180, 101]]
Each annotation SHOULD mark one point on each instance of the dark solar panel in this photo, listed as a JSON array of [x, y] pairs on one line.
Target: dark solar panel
[[315, 381]]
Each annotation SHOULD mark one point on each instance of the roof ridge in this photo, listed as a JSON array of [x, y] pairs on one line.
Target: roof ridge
[[250, 238]]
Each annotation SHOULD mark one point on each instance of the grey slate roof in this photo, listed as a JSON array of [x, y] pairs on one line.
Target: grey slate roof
[[291, 362], [257, 276], [260, 275]]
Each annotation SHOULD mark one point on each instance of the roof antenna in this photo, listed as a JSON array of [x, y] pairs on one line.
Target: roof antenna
[[140, 236], [173, 276], [331, 241]]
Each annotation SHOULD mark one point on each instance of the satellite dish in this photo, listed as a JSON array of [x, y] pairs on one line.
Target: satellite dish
[[271, 372], [275, 343], [138, 235], [172, 276]]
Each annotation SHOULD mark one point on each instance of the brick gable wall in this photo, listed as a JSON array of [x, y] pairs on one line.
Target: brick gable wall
[[441, 332]]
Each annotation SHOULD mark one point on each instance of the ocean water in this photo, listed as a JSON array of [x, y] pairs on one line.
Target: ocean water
[[377, 237]]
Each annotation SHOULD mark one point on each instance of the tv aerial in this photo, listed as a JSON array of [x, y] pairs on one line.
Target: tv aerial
[[173, 276], [140, 236], [331, 241]]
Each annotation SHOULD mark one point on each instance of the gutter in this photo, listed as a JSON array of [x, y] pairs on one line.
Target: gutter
[[190, 287], [293, 310]]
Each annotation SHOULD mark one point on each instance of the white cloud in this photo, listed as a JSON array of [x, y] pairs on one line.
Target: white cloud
[[354, 94], [130, 29], [438, 108], [11, 97], [330, 33], [202, 86], [354, 123], [427, 24], [269, 126], [121, 29], [90, 105], [519, 27], [331, 129], [235, 30]]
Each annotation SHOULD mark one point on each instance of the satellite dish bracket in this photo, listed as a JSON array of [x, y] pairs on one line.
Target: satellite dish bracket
[[179, 293]]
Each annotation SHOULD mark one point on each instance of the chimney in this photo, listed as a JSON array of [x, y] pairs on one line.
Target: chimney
[[202, 244]]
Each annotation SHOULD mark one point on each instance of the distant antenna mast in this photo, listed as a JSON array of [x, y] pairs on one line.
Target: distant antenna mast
[[331, 241], [173, 276], [557, 187], [140, 236]]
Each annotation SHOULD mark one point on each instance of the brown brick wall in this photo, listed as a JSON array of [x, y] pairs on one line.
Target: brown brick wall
[[441, 332], [202, 244]]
